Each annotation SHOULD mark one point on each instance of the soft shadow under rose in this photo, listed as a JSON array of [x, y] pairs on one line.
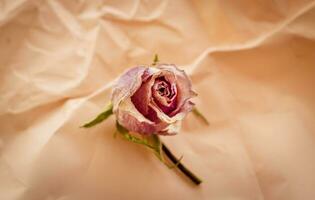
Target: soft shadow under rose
[[152, 100]]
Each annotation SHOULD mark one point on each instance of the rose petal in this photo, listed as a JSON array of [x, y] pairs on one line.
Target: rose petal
[[183, 83], [165, 103], [131, 123], [126, 85], [171, 129], [187, 107], [134, 121], [142, 96], [168, 89], [127, 106], [184, 93]]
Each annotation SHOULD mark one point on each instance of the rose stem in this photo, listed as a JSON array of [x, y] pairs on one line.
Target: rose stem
[[180, 166]]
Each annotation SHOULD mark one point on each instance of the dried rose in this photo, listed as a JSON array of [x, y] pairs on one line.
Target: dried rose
[[152, 100]]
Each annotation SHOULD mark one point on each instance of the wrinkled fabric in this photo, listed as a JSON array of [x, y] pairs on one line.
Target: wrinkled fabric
[[250, 61]]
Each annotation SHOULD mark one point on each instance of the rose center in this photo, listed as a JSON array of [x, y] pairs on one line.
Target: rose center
[[164, 94], [163, 89]]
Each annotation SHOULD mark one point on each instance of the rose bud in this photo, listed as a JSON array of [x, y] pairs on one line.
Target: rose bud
[[152, 100]]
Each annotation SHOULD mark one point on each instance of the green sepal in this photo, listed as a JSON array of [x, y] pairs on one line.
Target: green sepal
[[198, 114], [155, 60], [101, 117], [131, 138]]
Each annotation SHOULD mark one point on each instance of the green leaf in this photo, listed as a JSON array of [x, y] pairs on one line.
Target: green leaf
[[198, 114], [101, 117], [155, 60]]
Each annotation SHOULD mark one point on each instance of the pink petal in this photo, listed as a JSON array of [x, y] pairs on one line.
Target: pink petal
[[131, 123], [127, 85], [166, 104], [171, 129], [142, 96], [184, 87]]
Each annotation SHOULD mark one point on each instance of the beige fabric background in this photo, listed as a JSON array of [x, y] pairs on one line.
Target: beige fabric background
[[251, 61]]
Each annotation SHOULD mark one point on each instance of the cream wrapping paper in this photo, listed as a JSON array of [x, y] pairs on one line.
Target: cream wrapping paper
[[252, 62]]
